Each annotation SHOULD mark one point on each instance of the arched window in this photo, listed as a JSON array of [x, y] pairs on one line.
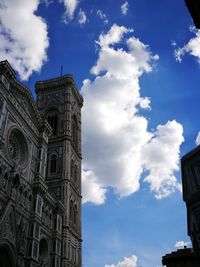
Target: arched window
[[16, 180], [74, 132], [6, 175], [75, 173], [71, 211], [43, 253], [30, 198], [52, 118], [75, 215], [72, 169], [53, 164], [31, 229]]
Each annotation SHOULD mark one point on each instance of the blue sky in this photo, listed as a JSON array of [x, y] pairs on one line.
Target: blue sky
[[137, 65]]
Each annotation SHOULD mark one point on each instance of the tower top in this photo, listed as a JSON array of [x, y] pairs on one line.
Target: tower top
[[58, 83]]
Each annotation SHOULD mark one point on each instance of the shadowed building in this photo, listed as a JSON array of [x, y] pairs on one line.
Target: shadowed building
[[40, 172], [181, 258], [190, 165], [191, 194], [194, 9]]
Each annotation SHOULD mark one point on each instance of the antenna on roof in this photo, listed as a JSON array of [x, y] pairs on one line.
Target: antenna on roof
[[61, 71]]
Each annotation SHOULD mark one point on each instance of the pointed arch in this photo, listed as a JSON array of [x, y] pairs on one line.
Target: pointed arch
[[72, 169], [71, 211], [75, 215], [75, 173], [74, 130], [52, 115], [53, 163], [43, 252], [7, 254]]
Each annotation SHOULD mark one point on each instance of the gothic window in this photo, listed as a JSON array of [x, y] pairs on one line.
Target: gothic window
[[39, 205], [20, 194], [58, 248], [72, 169], [30, 198], [37, 231], [53, 164], [55, 223], [75, 215], [54, 246], [52, 118], [74, 132], [71, 211], [59, 224], [25, 199], [38, 160], [43, 253], [31, 229], [35, 250], [30, 249], [16, 180], [49, 219], [30, 201], [1, 104], [75, 173]]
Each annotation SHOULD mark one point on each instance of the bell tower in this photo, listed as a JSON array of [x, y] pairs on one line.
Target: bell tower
[[59, 102]]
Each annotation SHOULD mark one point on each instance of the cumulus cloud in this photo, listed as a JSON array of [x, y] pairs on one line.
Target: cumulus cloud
[[26, 52], [198, 139], [93, 191], [82, 18], [126, 262], [124, 8], [179, 244], [191, 48], [161, 158], [114, 36], [115, 135], [102, 16], [70, 6]]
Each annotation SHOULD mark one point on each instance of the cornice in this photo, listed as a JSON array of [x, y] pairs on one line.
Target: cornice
[[59, 83]]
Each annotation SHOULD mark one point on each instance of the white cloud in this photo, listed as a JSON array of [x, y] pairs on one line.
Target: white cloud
[[181, 244], [161, 158], [124, 8], [70, 6], [102, 16], [114, 133], [198, 139], [92, 190], [82, 18], [173, 43], [26, 52], [114, 36], [192, 48], [126, 262]]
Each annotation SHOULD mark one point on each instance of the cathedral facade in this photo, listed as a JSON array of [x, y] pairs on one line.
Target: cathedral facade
[[40, 172]]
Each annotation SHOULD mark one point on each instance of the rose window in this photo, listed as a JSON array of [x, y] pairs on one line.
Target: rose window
[[13, 147], [17, 147]]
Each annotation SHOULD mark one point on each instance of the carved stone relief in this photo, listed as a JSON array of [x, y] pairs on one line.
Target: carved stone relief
[[17, 147]]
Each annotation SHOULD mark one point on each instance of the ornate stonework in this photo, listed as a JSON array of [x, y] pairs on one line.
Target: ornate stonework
[[17, 147], [40, 201]]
